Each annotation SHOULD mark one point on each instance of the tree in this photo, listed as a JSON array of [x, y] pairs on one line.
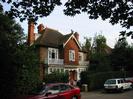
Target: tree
[[31, 9], [27, 61], [99, 58], [16, 61], [99, 44], [117, 11], [99, 63], [121, 56], [10, 35], [121, 44], [87, 46]]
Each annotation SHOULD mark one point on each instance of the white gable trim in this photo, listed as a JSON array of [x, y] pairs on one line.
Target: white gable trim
[[72, 36]]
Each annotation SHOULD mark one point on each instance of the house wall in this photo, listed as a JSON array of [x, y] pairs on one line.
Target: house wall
[[61, 55], [71, 45], [43, 54], [81, 56], [85, 56]]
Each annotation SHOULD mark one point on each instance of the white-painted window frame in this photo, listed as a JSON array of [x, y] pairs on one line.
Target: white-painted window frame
[[71, 55], [53, 50]]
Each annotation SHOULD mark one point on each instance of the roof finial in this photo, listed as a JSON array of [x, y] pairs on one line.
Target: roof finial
[[72, 31]]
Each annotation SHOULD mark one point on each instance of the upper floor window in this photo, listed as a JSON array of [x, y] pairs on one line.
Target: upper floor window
[[53, 53], [71, 55]]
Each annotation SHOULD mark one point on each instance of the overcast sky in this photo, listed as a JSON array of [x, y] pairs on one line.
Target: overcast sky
[[79, 23]]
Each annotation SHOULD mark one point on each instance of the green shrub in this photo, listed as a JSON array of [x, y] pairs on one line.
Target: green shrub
[[56, 77], [27, 76], [28, 80]]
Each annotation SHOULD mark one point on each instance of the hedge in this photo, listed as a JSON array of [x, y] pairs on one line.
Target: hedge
[[56, 77], [96, 80]]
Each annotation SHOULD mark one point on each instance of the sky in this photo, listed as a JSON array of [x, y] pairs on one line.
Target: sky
[[79, 23]]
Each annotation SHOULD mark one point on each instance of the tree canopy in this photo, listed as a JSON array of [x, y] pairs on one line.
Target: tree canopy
[[99, 44], [121, 57], [10, 37], [17, 60], [117, 11], [31, 9], [98, 53]]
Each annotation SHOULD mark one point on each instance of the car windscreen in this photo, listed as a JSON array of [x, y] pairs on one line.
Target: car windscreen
[[110, 82]]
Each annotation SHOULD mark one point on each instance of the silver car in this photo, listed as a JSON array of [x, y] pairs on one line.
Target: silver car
[[118, 84]]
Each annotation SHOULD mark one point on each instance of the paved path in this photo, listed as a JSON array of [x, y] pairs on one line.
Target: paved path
[[102, 95]]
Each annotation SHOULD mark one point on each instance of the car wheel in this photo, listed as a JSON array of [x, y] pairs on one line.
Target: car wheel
[[74, 97], [122, 90]]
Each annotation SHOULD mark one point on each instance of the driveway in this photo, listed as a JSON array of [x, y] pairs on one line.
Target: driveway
[[102, 95]]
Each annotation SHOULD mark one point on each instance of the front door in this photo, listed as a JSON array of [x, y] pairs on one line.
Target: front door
[[72, 76]]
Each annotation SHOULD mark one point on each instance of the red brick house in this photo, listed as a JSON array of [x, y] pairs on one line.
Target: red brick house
[[58, 52]]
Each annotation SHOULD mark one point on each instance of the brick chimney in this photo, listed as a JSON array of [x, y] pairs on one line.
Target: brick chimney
[[31, 34], [40, 28], [76, 35]]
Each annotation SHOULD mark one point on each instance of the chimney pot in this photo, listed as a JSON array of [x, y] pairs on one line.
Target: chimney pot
[[40, 28], [76, 35]]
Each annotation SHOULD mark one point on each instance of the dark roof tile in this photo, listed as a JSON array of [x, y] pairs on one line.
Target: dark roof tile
[[52, 38]]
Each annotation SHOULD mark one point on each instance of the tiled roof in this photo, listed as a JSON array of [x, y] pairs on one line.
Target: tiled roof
[[52, 38], [65, 38]]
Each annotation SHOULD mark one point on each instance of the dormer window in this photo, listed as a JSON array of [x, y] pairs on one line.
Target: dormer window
[[71, 55]]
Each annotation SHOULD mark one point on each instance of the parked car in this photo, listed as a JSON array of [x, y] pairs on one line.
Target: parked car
[[54, 91], [129, 79], [118, 84]]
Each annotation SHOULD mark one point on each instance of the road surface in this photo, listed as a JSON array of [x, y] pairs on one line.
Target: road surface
[[102, 95]]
